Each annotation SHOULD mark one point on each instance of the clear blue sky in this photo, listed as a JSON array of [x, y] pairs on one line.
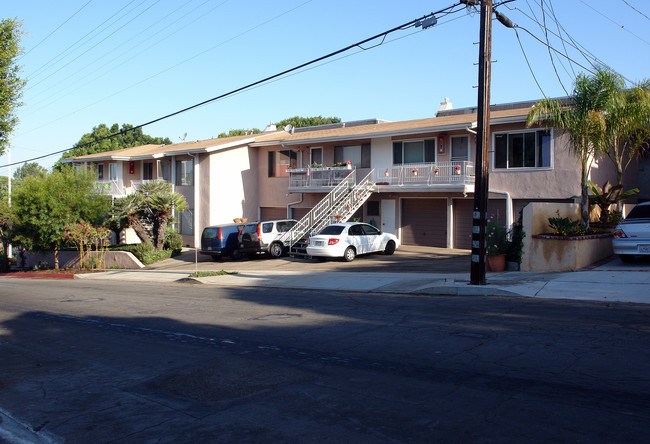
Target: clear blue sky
[[131, 61]]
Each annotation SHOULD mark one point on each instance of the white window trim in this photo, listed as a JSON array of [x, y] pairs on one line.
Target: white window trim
[[519, 169]]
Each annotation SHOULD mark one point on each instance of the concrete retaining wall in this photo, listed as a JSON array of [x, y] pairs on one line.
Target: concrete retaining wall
[[70, 259], [542, 253]]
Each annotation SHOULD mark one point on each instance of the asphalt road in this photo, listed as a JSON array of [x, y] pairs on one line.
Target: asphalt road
[[84, 362]]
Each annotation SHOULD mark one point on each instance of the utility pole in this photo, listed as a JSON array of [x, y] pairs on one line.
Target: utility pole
[[481, 188]]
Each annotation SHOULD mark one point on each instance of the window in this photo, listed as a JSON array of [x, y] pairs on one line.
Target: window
[[372, 208], [186, 222], [370, 230], [279, 161], [316, 156], [358, 155], [526, 149], [459, 148], [147, 171], [165, 170], [100, 172], [185, 172], [414, 151], [112, 171]]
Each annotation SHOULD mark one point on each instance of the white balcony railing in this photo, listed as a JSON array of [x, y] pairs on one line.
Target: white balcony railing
[[112, 187], [317, 177], [430, 173]]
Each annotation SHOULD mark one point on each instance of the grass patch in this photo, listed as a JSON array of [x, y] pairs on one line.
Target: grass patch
[[202, 274]]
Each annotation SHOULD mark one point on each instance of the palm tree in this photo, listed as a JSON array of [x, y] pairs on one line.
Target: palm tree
[[131, 208], [625, 123], [160, 201], [582, 119]]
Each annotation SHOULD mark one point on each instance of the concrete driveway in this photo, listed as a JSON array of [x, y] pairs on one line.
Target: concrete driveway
[[415, 259]]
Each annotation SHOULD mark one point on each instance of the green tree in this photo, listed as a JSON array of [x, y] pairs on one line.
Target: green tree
[[239, 132], [6, 222], [45, 205], [98, 141], [581, 118], [301, 122], [11, 85], [29, 169], [152, 205], [625, 122]]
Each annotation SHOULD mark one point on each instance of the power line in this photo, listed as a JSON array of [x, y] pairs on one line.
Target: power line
[[111, 63], [61, 54], [250, 85], [641, 13], [55, 30], [617, 24], [528, 63], [169, 68]]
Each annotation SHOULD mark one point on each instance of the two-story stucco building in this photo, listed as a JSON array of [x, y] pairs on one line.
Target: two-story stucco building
[[419, 174]]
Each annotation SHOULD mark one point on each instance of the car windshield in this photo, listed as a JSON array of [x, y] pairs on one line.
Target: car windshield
[[639, 212], [333, 230]]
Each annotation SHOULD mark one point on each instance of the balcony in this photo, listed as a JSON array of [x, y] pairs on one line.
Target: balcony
[[413, 176], [425, 175], [317, 178], [116, 187]]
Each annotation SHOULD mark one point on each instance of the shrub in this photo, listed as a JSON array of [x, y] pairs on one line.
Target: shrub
[[563, 226], [145, 252], [173, 241]]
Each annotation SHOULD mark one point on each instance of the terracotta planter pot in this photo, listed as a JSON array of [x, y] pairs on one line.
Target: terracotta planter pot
[[496, 263]]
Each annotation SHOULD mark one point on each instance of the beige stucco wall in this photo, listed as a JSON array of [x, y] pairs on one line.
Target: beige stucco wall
[[233, 185], [556, 254]]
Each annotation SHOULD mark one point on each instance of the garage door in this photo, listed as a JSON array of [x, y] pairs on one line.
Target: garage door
[[463, 223], [424, 222], [299, 213], [463, 219], [273, 213]]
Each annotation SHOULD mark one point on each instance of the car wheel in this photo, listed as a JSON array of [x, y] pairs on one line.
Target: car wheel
[[390, 248], [276, 250], [216, 257], [236, 254], [349, 254], [626, 257]]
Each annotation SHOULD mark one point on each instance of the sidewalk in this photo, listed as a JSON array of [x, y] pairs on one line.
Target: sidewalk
[[612, 281]]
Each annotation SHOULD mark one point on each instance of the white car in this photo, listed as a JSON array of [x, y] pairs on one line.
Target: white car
[[632, 236], [349, 239]]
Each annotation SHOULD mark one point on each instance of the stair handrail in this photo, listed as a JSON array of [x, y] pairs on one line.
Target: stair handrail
[[320, 210]]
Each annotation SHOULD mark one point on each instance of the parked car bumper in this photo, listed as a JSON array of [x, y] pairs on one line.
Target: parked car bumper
[[327, 251], [631, 246]]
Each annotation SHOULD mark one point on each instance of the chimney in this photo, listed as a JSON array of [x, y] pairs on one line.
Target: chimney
[[445, 106], [270, 127]]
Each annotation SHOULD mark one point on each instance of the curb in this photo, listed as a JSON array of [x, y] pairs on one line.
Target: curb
[[22, 274]]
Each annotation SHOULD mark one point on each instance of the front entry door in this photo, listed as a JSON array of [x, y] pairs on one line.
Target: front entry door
[[388, 216]]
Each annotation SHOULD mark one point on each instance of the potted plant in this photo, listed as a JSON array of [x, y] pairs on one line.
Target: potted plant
[[414, 171], [436, 171], [496, 239], [457, 168]]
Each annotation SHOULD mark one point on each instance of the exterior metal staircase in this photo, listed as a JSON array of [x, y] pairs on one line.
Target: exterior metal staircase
[[338, 206]]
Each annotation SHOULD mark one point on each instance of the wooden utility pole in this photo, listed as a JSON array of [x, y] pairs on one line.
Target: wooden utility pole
[[477, 275]]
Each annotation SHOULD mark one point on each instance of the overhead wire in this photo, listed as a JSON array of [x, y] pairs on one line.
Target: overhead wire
[[168, 68], [640, 13], [61, 54], [55, 30], [248, 86], [617, 24], [110, 65]]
